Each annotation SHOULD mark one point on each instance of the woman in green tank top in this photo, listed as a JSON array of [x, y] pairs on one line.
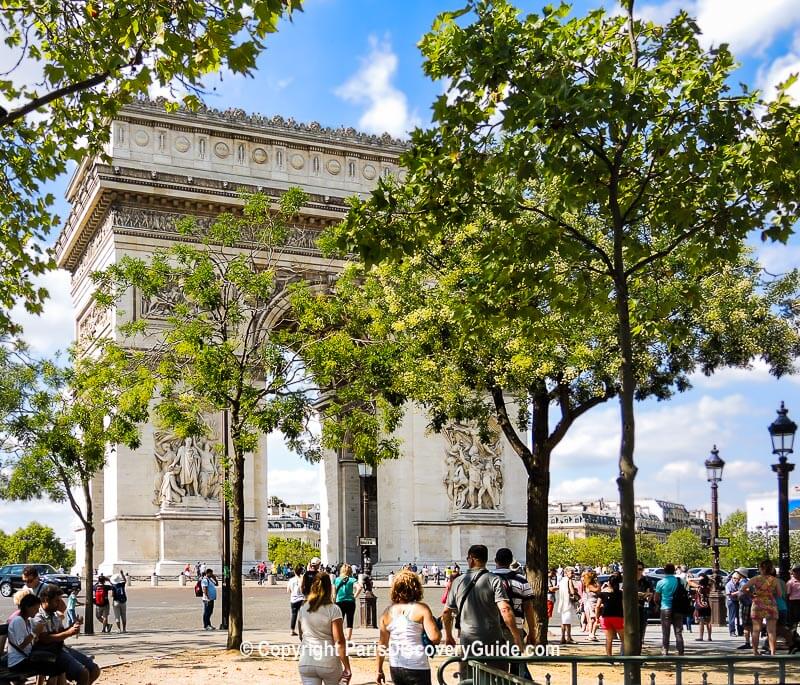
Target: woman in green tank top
[[346, 589]]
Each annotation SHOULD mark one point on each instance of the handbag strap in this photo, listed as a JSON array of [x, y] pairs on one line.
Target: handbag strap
[[469, 589]]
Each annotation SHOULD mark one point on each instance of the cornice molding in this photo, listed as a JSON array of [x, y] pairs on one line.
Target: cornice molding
[[276, 125]]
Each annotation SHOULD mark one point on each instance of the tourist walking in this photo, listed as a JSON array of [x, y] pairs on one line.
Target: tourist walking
[[296, 597], [793, 596], [401, 626], [21, 636], [590, 597], [347, 590], [745, 608], [309, 575], [566, 605], [435, 573], [763, 590], [702, 606], [732, 604], [323, 650], [472, 608], [645, 598], [72, 607], [120, 601], [102, 604], [608, 611], [672, 612], [518, 590], [208, 585]]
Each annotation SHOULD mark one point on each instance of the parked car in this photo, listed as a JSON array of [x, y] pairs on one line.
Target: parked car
[[700, 570], [752, 572], [11, 578]]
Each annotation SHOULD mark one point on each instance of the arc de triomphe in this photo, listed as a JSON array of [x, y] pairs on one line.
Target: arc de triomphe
[[159, 506]]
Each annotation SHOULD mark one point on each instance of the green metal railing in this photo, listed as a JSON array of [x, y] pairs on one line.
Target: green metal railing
[[486, 671]]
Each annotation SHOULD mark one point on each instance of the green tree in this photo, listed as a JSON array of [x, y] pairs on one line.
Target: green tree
[[647, 547], [597, 550], [740, 552], [290, 551], [684, 547], [246, 341], [73, 65], [58, 424], [560, 550], [35, 544], [620, 141]]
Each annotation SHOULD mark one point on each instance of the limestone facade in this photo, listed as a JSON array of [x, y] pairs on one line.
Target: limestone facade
[[159, 506]]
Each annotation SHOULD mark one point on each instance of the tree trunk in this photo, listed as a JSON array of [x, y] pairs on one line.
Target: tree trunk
[[627, 474], [537, 465], [536, 550], [235, 615], [88, 564]]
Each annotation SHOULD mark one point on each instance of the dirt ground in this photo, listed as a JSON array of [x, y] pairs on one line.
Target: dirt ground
[[217, 666]]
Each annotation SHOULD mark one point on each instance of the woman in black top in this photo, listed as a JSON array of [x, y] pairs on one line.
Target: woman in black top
[[609, 610]]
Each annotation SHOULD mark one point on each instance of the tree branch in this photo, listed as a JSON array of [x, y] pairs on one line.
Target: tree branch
[[76, 87], [508, 427]]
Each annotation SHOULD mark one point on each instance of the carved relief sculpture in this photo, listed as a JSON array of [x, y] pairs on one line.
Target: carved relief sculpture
[[474, 470], [185, 468]]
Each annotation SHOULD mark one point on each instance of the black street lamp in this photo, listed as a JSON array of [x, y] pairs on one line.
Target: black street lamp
[[782, 431], [369, 614], [714, 466], [365, 471]]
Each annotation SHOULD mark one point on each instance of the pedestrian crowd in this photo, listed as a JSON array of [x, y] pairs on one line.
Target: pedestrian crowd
[[38, 631]]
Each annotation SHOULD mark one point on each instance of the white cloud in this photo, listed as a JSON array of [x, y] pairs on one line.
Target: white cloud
[[749, 27], [778, 258], [295, 486], [758, 373], [57, 515], [662, 13], [680, 469], [769, 79], [387, 107], [663, 431], [583, 488], [54, 328], [743, 470]]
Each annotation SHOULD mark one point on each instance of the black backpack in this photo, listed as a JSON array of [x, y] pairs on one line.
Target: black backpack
[[681, 604]]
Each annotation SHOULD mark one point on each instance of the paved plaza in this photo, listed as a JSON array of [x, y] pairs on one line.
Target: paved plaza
[[166, 621]]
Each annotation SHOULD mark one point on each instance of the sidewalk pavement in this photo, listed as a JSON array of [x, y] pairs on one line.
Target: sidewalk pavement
[[119, 648]]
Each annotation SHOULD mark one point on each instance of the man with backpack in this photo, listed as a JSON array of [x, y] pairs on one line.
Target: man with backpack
[[479, 608], [102, 589], [120, 601], [518, 590], [673, 595], [208, 591]]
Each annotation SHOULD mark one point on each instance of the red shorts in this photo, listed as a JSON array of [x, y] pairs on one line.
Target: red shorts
[[611, 623], [549, 608]]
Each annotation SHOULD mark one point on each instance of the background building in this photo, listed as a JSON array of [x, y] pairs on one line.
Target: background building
[[580, 519]]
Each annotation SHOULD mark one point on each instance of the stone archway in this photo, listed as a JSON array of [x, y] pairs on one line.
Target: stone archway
[[163, 166]]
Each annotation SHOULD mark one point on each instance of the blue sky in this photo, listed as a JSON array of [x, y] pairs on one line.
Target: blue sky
[[355, 63]]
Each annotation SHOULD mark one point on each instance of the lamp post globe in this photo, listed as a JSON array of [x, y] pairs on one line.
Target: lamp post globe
[[781, 433], [714, 467]]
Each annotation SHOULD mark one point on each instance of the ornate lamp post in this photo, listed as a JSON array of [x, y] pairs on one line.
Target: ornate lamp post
[[782, 431], [714, 466], [369, 615], [365, 471]]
